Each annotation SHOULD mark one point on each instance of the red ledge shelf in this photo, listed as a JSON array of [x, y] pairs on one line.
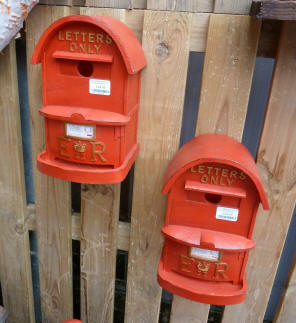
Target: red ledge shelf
[[207, 239]]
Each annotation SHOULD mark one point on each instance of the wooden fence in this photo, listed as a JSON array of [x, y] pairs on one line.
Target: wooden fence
[[169, 31]]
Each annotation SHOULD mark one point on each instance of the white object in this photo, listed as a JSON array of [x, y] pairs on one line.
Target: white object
[[80, 131], [204, 253], [101, 87], [12, 16], [226, 213]]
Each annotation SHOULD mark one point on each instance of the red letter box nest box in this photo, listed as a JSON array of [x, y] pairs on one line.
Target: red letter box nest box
[[214, 191], [91, 84]]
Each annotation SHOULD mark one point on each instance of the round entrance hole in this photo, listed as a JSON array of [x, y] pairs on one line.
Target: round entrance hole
[[85, 68], [213, 198]]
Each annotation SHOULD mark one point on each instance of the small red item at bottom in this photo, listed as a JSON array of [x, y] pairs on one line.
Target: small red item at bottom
[[72, 321]]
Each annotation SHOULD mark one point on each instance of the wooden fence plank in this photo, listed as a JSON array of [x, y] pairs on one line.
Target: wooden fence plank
[[199, 31], [15, 265], [274, 9], [166, 45], [227, 74], [126, 4], [277, 164], [226, 84], [63, 2], [286, 310], [99, 222], [184, 310], [123, 227], [241, 7], [121, 4], [181, 5], [52, 196]]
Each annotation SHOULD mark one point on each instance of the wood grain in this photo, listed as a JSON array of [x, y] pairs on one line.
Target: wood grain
[[126, 4], [181, 5], [226, 84], [241, 7], [166, 45], [15, 265], [52, 196], [274, 9], [286, 309], [123, 227], [99, 222], [199, 31], [184, 310], [227, 74], [277, 164], [63, 2]]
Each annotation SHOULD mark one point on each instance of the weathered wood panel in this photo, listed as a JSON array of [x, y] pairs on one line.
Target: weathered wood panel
[[123, 227], [166, 45], [124, 4], [241, 7], [227, 74], [276, 163], [274, 9], [99, 223], [184, 310], [52, 196], [15, 265], [226, 85], [287, 309], [181, 5], [63, 2]]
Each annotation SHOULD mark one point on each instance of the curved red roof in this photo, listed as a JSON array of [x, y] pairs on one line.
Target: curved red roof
[[126, 41], [218, 148]]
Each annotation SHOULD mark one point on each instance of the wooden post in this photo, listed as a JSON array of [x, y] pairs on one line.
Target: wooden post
[[15, 264], [166, 45], [52, 196], [276, 163]]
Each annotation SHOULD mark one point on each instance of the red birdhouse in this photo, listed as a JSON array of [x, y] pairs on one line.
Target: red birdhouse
[[91, 69], [214, 191]]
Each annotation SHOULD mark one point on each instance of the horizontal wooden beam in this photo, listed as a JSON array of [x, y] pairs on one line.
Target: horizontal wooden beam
[[274, 9], [123, 227]]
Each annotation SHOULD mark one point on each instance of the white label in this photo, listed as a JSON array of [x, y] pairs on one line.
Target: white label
[[204, 253], [226, 213], [80, 131], [101, 87]]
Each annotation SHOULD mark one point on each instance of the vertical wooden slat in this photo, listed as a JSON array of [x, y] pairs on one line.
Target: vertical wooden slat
[[227, 75], [166, 45], [226, 82], [15, 265], [99, 223], [52, 196], [286, 311], [241, 7], [99, 235], [277, 164], [181, 5]]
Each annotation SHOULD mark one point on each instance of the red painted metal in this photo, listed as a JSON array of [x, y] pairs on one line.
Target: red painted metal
[[72, 321], [91, 69], [214, 192]]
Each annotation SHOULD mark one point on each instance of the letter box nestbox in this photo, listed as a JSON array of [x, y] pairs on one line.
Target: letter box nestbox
[[214, 190], [91, 83]]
